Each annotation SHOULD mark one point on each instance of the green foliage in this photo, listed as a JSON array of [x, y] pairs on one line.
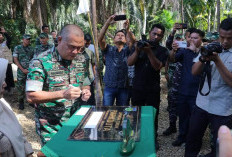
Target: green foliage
[[165, 17], [33, 31], [15, 28]]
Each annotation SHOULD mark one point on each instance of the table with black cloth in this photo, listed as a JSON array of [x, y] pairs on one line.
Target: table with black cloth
[[59, 146]]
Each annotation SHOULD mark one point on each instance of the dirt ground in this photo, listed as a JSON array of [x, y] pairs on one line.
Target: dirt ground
[[26, 119]]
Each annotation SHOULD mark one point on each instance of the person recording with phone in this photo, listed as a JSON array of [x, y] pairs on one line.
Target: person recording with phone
[[149, 57], [213, 103], [188, 84], [116, 72]]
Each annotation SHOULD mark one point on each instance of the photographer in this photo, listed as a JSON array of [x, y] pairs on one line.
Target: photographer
[[215, 108], [187, 90], [149, 57], [116, 72]]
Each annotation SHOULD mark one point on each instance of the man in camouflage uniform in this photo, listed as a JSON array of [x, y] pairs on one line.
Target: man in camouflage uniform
[[87, 64], [56, 84], [172, 75], [45, 29], [22, 56], [44, 44]]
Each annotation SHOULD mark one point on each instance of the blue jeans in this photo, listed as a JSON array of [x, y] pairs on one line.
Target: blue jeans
[[110, 94]]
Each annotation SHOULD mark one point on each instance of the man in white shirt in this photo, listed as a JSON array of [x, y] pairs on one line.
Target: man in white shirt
[[215, 108]]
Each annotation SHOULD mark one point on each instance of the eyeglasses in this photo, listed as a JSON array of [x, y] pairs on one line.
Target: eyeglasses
[[78, 48]]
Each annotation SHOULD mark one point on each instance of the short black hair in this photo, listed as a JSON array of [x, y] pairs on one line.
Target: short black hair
[[190, 30], [158, 25], [53, 31], [200, 32], [122, 30], [88, 37], [226, 24], [44, 26]]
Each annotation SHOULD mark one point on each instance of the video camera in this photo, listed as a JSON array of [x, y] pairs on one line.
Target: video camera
[[144, 42], [210, 48]]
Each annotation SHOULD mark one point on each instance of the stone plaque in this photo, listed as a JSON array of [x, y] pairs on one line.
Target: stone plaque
[[105, 123]]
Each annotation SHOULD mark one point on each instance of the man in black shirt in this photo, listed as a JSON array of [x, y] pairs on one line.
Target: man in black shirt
[[148, 61]]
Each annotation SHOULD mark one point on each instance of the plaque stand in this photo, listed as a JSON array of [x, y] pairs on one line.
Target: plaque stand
[[128, 144]]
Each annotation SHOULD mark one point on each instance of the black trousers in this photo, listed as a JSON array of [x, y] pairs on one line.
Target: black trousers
[[199, 121], [92, 100], [147, 98], [185, 106], [9, 78]]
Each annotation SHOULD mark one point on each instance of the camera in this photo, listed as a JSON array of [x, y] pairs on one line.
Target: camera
[[119, 17], [210, 48], [144, 42]]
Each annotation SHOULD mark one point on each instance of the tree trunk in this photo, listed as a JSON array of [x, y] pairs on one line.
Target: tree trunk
[[218, 15], [39, 14], [215, 20], [209, 17], [144, 21], [95, 39], [182, 14]]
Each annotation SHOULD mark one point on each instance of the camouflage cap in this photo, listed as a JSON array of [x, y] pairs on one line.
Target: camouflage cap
[[178, 36], [208, 36], [215, 36], [26, 36], [43, 35]]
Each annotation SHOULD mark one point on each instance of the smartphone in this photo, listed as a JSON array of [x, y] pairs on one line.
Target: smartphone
[[182, 44], [181, 25], [119, 17]]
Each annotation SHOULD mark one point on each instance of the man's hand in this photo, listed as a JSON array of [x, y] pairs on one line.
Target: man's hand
[[137, 49], [25, 71], [213, 57], [175, 46], [126, 25], [147, 48], [192, 47], [72, 93], [174, 30], [85, 94], [110, 20], [225, 141]]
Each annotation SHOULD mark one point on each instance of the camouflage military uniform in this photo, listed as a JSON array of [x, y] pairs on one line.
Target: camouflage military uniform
[[41, 48], [90, 61], [174, 73], [24, 55], [49, 72]]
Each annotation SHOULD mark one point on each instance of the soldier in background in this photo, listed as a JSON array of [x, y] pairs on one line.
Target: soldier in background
[[22, 56], [44, 44], [171, 75], [54, 38], [45, 29]]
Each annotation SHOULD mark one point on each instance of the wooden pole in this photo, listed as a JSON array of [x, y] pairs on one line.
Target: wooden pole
[[39, 14], [94, 33], [218, 15]]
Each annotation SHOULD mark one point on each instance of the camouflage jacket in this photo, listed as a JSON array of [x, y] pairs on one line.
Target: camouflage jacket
[[41, 48], [88, 60], [24, 55], [49, 72]]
